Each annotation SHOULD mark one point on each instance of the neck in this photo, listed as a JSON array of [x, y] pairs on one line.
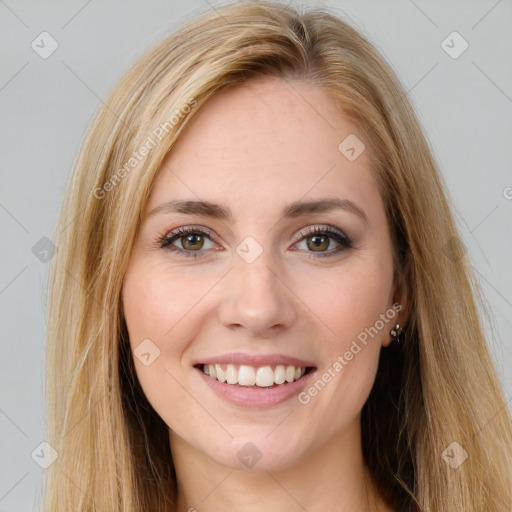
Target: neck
[[331, 477]]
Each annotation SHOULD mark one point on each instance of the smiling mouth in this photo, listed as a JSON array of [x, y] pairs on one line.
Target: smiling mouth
[[268, 377]]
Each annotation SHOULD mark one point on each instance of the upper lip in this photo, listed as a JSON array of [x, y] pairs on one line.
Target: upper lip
[[255, 360]]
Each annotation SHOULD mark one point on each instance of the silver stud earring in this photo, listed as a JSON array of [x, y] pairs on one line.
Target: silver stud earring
[[398, 335]]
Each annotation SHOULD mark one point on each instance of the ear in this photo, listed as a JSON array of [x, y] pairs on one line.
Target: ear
[[401, 301]]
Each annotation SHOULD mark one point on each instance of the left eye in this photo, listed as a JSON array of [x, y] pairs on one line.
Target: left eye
[[192, 240], [319, 238]]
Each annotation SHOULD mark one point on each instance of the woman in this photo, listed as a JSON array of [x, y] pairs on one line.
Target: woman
[[262, 299]]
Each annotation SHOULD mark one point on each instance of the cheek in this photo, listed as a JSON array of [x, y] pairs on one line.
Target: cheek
[[155, 304], [165, 306], [353, 304], [349, 301], [156, 301]]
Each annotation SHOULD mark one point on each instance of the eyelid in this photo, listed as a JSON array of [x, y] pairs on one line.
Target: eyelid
[[183, 231], [311, 230]]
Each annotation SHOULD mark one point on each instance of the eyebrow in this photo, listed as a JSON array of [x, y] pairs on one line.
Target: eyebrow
[[293, 210]]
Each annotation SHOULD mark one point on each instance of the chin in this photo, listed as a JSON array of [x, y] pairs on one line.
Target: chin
[[260, 452]]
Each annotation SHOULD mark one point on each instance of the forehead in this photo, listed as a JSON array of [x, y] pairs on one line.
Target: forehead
[[267, 140]]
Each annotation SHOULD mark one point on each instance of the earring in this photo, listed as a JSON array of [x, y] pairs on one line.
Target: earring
[[398, 335]]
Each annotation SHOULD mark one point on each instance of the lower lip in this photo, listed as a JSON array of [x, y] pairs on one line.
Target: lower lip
[[249, 397]]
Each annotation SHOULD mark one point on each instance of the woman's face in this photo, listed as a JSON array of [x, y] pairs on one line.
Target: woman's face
[[286, 296]]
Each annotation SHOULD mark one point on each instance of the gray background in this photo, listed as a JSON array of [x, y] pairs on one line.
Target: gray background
[[46, 105]]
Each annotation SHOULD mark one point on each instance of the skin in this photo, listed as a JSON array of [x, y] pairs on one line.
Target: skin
[[254, 149]]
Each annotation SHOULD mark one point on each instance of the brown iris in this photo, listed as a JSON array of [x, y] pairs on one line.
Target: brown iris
[[194, 241], [321, 242]]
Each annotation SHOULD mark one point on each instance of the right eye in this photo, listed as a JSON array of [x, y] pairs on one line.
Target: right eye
[[192, 240]]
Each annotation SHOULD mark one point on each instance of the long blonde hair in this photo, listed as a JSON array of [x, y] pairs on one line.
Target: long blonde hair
[[113, 449]]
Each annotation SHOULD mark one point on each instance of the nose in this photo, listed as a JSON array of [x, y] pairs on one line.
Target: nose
[[257, 299]]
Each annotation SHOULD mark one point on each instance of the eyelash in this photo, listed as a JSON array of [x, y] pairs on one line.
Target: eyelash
[[165, 241]]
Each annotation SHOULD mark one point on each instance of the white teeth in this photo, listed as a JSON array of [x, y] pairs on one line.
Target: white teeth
[[246, 376], [265, 376], [231, 374], [262, 376], [290, 373], [221, 376], [280, 374]]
